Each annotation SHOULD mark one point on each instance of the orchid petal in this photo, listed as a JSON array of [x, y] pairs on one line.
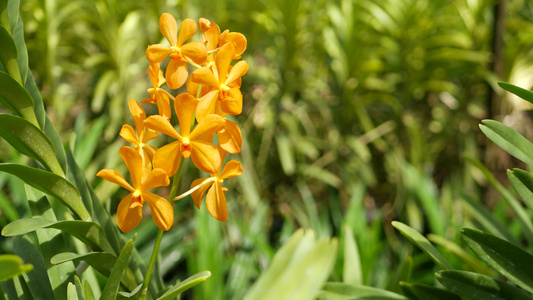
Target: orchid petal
[[238, 70], [163, 105], [168, 158], [161, 124], [157, 53], [187, 31], [154, 71], [198, 195], [138, 114], [134, 163], [205, 157], [231, 169], [232, 104], [205, 76], [129, 134], [195, 51], [157, 177], [176, 74], [128, 218], [185, 106], [115, 177], [207, 105], [216, 202], [223, 60], [230, 138], [169, 28], [162, 211], [211, 123]]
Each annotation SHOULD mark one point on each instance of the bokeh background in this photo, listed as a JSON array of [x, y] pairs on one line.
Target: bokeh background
[[355, 113]]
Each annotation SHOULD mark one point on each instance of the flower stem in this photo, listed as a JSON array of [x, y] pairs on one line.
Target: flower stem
[[159, 237]]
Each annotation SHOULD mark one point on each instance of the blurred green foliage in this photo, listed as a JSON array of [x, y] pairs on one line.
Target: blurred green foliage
[[355, 113]]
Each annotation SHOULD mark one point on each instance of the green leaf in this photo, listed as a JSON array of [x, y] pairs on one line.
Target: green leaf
[[51, 132], [476, 286], [79, 288], [427, 292], [522, 183], [401, 274], [506, 258], [29, 140], [72, 294], [360, 291], [50, 184], [298, 269], [523, 217], [88, 232], [88, 291], [509, 140], [38, 104], [421, 242], [132, 293], [352, 273], [11, 266], [40, 283], [188, 283], [113, 282], [100, 261], [520, 92], [8, 55]]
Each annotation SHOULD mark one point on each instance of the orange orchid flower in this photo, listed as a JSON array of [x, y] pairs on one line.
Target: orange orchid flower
[[189, 143], [141, 135], [129, 212], [237, 39], [192, 52], [216, 200], [158, 95], [224, 83]]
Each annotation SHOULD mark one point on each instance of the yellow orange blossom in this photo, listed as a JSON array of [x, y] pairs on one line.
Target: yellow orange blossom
[[141, 135], [224, 83], [189, 144], [129, 212], [215, 200], [192, 52], [158, 95], [210, 34], [237, 39]]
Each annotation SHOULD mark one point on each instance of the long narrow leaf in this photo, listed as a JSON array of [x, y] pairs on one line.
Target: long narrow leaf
[[50, 184], [506, 258], [113, 282], [421, 242], [520, 92], [185, 285], [509, 140], [29, 140]]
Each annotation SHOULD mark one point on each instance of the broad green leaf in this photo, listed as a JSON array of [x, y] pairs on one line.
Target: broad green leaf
[[38, 104], [40, 283], [421, 242], [298, 269], [522, 183], [13, 12], [511, 261], [15, 98], [8, 56], [102, 262], [427, 292], [11, 266], [188, 283], [113, 282], [88, 232], [18, 37], [352, 273], [520, 92], [360, 291], [4, 16], [509, 140], [50, 184], [476, 286], [29, 140]]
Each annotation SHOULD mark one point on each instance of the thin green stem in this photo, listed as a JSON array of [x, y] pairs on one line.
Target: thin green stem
[[159, 237]]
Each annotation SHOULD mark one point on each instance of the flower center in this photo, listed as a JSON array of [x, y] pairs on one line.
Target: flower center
[[136, 199], [176, 54], [185, 147]]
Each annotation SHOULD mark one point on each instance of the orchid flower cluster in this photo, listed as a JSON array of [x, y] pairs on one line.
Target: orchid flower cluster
[[212, 92]]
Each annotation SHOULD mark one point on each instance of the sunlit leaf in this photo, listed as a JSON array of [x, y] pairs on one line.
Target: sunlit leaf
[[11, 266], [421, 242], [50, 184], [520, 92], [509, 140], [188, 283], [15, 97]]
